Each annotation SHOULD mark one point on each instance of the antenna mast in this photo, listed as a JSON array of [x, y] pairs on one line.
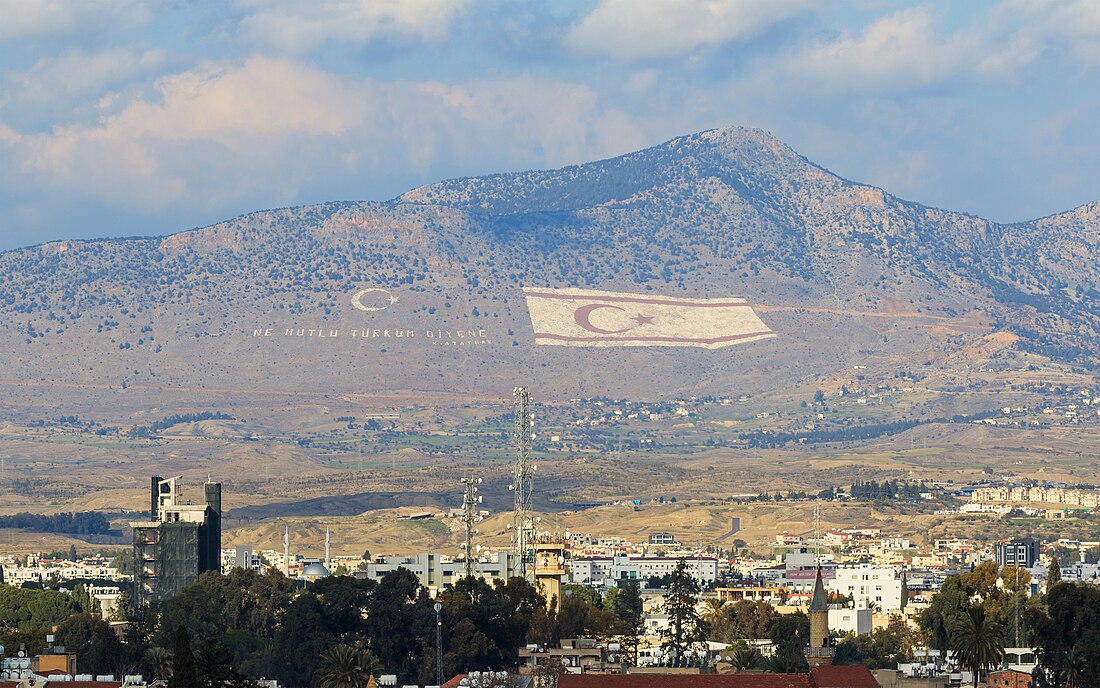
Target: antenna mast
[[522, 475], [470, 500]]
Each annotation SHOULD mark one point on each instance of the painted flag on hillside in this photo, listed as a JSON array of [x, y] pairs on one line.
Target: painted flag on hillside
[[586, 317]]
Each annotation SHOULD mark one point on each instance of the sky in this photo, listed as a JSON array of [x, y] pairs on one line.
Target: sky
[[137, 118]]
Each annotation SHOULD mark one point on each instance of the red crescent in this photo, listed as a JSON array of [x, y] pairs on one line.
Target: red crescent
[[582, 315]]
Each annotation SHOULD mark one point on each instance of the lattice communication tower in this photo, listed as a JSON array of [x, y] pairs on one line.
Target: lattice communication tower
[[522, 483], [470, 500]]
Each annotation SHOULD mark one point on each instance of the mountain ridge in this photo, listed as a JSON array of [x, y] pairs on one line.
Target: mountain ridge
[[723, 212]]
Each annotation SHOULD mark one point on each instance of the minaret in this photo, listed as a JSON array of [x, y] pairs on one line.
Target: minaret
[[286, 552], [819, 652], [328, 543]]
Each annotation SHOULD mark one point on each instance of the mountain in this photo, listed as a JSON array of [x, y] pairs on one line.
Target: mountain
[[846, 274]]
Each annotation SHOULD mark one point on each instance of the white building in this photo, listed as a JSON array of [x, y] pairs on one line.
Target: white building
[[605, 571], [848, 620], [439, 571], [882, 587]]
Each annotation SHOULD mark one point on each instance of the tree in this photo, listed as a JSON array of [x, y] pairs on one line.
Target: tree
[[1068, 638], [976, 640], [345, 666], [84, 599], [93, 641], [947, 605], [184, 672], [630, 619], [747, 659], [160, 661], [216, 668], [72, 552], [400, 620], [26, 615], [713, 607], [1054, 574], [685, 627], [743, 619], [790, 633]]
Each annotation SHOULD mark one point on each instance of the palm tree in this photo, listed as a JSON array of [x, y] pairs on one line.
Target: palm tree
[[713, 608], [746, 659], [783, 663], [345, 666], [1073, 668], [160, 660], [977, 641]]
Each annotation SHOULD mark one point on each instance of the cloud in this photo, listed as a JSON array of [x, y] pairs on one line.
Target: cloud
[[59, 84], [903, 50], [628, 30], [267, 132], [303, 26], [28, 19], [1070, 27]]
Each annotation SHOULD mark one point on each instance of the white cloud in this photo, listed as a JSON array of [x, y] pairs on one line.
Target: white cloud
[[300, 26], [1070, 27], [630, 30], [220, 136], [24, 19], [903, 50], [57, 84]]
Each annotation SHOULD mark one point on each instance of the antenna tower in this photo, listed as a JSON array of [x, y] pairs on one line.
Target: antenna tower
[[522, 479], [470, 500]]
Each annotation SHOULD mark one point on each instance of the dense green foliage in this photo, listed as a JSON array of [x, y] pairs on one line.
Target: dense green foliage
[[1068, 638], [79, 523], [26, 616]]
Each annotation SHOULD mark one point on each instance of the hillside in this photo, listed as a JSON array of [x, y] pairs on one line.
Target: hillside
[[843, 272]]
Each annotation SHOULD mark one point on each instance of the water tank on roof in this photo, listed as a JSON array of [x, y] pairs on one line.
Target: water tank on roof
[[105, 678], [82, 677]]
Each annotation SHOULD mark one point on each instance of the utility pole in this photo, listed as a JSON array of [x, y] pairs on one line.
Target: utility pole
[[522, 481], [438, 645], [470, 500]]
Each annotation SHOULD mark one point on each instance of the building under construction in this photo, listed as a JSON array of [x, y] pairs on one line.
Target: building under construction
[[181, 540]]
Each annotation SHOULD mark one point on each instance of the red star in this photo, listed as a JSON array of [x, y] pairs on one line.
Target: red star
[[643, 319]]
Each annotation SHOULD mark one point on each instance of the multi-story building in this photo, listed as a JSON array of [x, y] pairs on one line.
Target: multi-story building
[[241, 557], [1022, 552], [610, 571], [180, 541], [438, 571], [881, 588]]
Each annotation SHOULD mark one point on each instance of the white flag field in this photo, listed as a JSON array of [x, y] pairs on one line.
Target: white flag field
[[587, 317]]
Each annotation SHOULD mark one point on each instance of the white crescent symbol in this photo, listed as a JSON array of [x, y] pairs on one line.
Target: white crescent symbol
[[358, 303], [583, 314]]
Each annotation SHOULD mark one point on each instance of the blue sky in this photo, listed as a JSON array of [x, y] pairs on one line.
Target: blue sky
[[121, 118]]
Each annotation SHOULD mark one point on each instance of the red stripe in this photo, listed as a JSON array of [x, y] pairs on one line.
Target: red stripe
[[715, 340], [636, 299]]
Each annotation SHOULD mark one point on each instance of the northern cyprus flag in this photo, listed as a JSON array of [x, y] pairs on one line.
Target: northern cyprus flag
[[586, 317]]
